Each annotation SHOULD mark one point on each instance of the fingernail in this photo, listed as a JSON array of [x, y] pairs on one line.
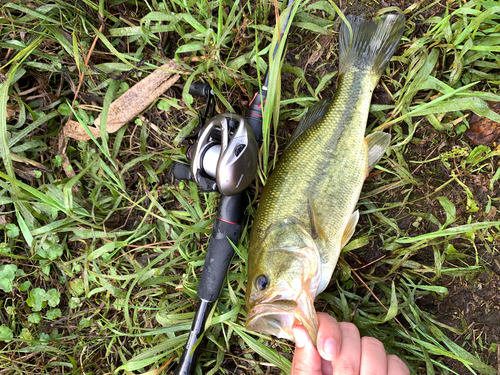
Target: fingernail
[[300, 338], [331, 348]]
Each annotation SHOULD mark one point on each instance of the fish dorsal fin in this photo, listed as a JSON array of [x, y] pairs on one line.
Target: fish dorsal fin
[[376, 144], [349, 228], [316, 229], [315, 113]]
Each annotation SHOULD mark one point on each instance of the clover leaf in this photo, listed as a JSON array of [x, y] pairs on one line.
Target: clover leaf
[[12, 230], [5, 333], [34, 318], [7, 275], [37, 299], [53, 314], [53, 297]]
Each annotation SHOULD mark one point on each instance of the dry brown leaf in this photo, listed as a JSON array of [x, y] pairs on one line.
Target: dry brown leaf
[[127, 106], [5, 219], [12, 111], [139, 97], [27, 168], [62, 144], [121, 111], [241, 30], [73, 129], [484, 131], [24, 172], [30, 163], [324, 41]]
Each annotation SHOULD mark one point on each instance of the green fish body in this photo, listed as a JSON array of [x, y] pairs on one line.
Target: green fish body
[[306, 211]]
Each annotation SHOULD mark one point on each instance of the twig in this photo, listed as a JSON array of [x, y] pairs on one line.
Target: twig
[[81, 312], [380, 302]]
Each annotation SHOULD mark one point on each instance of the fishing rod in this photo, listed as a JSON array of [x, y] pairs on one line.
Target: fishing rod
[[224, 159]]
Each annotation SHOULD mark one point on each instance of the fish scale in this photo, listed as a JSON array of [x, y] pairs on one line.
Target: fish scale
[[313, 166], [305, 214]]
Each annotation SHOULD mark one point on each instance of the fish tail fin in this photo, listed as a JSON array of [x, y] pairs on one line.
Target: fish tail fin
[[373, 42]]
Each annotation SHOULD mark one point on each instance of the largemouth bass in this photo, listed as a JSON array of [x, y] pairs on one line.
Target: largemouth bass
[[306, 211]]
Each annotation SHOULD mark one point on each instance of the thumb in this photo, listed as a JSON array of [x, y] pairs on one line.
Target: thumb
[[306, 360]]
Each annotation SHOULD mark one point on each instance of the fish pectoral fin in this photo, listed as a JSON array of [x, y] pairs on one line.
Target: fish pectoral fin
[[376, 144], [349, 228], [314, 114], [316, 229]]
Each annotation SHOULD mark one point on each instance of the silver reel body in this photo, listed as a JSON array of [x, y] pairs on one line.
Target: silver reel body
[[225, 153]]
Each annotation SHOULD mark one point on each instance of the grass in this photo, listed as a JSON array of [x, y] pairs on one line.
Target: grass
[[101, 256]]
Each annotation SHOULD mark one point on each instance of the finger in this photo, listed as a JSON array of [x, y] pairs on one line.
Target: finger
[[349, 358], [306, 360], [373, 357], [329, 337], [396, 366], [326, 367]]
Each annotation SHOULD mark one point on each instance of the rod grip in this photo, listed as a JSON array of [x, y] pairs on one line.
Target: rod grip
[[219, 254], [254, 113], [227, 226]]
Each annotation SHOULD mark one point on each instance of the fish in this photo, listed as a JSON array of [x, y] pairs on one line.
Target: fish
[[306, 213]]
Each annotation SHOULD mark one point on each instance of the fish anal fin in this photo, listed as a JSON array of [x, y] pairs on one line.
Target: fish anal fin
[[316, 229], [349, 228], [376, 144]]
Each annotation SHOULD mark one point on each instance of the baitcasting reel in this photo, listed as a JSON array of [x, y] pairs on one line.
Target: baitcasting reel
[[224, 154]]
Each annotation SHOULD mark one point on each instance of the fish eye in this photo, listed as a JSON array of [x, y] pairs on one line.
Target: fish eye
[[262, 282]]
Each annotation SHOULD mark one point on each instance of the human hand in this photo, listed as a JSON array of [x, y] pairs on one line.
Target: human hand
[[342, 352]]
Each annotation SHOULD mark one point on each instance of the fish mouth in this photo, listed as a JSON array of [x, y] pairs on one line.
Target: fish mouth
[[275, 319], [278, 318]]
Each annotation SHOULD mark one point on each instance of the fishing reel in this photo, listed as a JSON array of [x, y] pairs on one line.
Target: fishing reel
[[224, 155]]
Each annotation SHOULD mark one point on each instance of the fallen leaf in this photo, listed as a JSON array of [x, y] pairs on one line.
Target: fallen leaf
[[12, 111], [24, 172], [492, 213], [36, 165], [241, 31], [139, 97], [324, 41], [62, 144], [484, 131], [27, 168], [73, 129], [126, 107], [5, 219]]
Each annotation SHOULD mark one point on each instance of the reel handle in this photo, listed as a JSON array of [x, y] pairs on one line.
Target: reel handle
[[181, 171], [200, 89]]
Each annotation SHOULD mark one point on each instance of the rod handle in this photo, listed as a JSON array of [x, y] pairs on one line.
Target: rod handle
[[227, 226], [254, 113]]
